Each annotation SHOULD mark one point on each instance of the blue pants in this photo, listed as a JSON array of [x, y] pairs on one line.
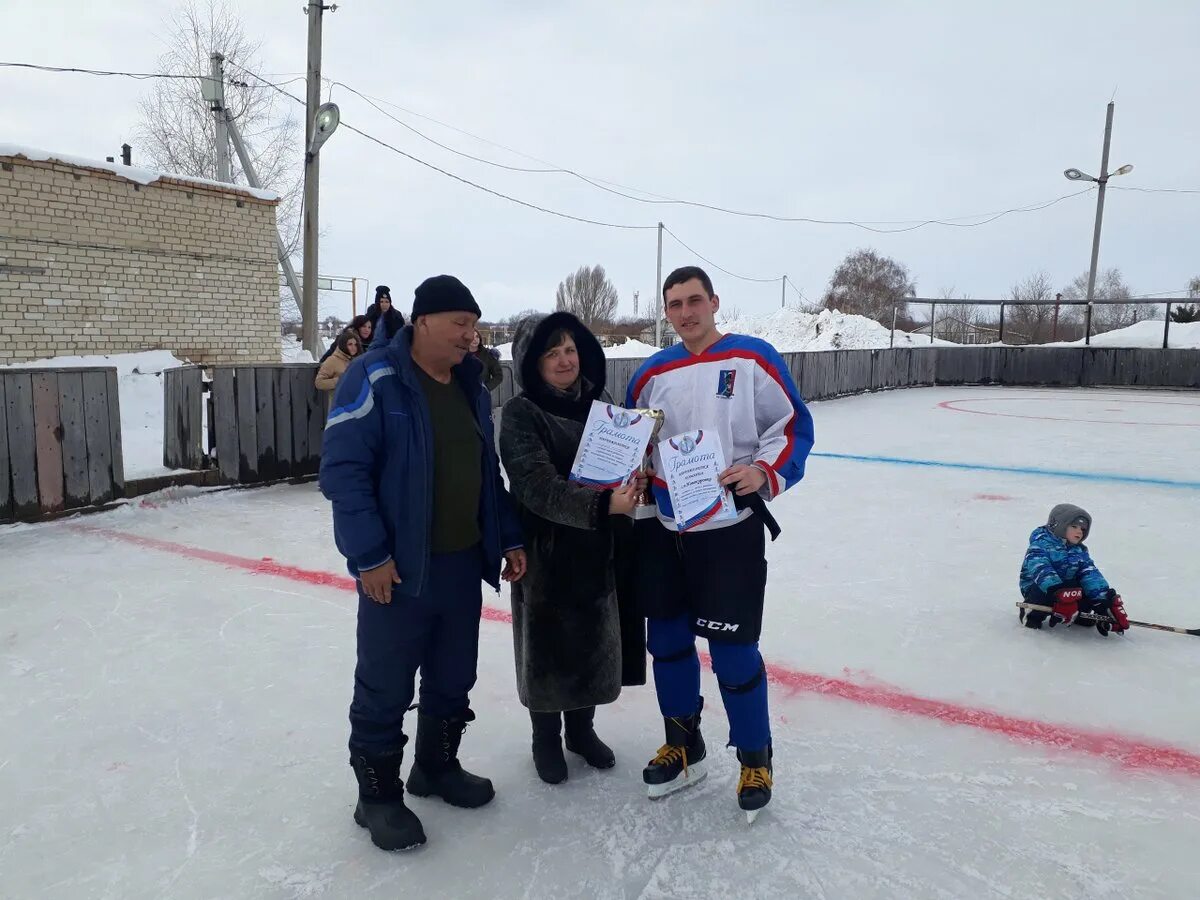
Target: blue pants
[[740, 674], [436, 633]]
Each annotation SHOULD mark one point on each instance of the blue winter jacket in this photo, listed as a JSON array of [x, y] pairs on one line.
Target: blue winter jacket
[[377, 467], [1050, 562]]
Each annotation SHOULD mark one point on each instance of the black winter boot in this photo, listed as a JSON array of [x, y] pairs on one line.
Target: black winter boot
[[582, 739], [680, 762], [436, 770], [754, 785], [548, 756], [381, 806]]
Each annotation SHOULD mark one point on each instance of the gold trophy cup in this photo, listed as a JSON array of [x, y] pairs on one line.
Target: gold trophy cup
[[646, 499]]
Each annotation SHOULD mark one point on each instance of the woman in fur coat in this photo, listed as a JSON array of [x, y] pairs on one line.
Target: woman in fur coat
[[566, 624]]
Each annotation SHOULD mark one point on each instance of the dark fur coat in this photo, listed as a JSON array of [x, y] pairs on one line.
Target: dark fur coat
[[567, 628]]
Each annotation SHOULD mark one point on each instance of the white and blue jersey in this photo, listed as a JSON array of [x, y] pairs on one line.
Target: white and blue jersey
[[741, 388]]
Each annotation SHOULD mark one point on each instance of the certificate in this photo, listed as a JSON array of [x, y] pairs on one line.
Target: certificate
[[692, 465], [614, 443]]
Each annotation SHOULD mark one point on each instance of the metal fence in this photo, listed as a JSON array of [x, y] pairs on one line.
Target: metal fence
[[1054, 327]]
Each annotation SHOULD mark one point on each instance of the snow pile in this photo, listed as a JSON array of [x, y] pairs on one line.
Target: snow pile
[[140, 391], [793, 331], [129, 173], [631, 349], [1183, 336], [291, 351]]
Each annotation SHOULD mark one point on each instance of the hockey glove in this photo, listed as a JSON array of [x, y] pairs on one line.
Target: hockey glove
[[1066, 605], [1116, 609]]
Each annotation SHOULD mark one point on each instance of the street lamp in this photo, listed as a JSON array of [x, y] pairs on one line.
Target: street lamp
[[327, 120], [1077, 175]]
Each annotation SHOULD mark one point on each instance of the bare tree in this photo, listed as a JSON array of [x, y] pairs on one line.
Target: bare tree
[[868, 284], [176, 132], [1030, 319], [523, 314], [957, 320], [589, 295], [1108, 312]]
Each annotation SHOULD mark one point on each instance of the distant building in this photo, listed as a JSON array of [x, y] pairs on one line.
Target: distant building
[[100, 258]]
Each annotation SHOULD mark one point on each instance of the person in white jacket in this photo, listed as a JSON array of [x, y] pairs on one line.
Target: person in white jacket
[[710, 580]]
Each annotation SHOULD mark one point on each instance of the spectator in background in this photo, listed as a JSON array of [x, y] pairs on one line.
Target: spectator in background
[[386, 320], [493, 372], [347, 346], [361, 326]]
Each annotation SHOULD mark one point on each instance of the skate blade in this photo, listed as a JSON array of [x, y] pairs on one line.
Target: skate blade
[[751, 815], [694, 775]]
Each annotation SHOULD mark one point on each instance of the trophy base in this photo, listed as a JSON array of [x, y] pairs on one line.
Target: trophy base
[[649, 511]]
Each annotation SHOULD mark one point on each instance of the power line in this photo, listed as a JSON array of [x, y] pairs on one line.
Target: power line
[[658, 199], [459, 178], [714, 265], [1140, 190], [139, 76], [601, 184]]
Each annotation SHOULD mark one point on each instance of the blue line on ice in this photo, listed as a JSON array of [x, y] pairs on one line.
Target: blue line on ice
[[1016, 470]]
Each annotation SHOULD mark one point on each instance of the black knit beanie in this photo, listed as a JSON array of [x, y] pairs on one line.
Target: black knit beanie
[[443, 293], [381, 290]]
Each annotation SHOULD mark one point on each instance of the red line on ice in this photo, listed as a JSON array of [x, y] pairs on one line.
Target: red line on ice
[[1128, 752]]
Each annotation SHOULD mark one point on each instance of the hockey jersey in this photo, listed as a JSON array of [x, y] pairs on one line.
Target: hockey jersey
[[741, 388]]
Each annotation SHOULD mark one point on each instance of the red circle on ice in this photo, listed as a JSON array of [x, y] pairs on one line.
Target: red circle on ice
[[1170, 413]]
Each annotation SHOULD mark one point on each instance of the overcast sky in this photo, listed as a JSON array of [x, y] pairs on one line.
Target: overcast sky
[[833, 110]]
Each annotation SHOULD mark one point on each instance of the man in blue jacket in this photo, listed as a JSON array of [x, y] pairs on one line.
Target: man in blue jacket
[[422, 516]]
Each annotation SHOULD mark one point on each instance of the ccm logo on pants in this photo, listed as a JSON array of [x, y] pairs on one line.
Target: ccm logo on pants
[[715, 626]]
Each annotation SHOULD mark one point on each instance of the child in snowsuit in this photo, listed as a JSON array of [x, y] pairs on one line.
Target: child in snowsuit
[[1058, 571]]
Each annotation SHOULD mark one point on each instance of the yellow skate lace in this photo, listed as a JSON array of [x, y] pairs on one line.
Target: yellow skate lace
[[759, 777], [669, 754]]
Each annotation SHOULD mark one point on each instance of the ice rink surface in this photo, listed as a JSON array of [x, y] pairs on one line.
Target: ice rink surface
[[174, 678]]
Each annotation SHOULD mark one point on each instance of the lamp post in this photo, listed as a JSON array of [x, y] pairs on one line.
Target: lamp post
[[324, 123], [1102, 180]]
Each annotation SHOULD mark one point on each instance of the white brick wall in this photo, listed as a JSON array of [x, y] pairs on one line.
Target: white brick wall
[[128, 267]]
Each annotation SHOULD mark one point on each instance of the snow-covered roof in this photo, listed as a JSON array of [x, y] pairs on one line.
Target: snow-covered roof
[[130, 173]]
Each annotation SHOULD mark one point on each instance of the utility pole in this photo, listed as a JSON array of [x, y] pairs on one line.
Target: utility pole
[[783, 294], [1054, 330], [1103, 181], [217, 81], [308, 309], [658, 301]]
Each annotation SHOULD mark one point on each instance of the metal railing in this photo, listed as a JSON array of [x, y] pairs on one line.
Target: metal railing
[[1057, 303]]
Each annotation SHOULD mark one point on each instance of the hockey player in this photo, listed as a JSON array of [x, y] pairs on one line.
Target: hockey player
[[711, 580], [1058, 571]]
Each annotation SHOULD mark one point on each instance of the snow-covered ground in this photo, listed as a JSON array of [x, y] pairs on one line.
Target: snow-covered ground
[[176, 728], [140, 390], [792, 331], [291, 350], [629, 349], [1182, 336]]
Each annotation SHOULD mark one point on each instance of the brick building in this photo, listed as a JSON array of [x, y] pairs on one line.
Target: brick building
[[104, 258]]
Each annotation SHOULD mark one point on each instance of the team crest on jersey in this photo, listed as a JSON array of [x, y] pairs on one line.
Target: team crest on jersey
[[725, 383]]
